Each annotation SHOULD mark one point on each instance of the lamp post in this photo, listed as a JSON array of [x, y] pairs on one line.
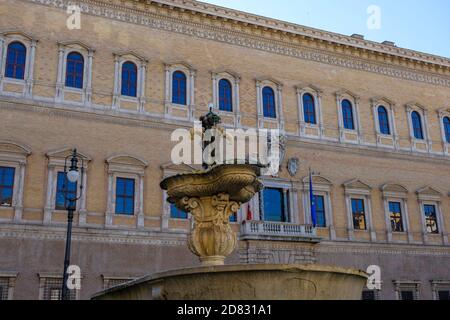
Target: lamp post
[[72, 176]]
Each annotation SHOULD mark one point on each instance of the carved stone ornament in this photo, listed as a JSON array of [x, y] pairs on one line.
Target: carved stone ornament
[[292, 166]]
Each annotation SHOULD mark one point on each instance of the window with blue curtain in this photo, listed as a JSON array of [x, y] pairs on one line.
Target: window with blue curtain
[[125, 196], [74, 70], [359, 214], [176, 213], [269, 107], [15, 61], [225, 96], [179, 90], [320, 211], [129, 79], [447, 128], [64, 190], [383, 120], [431, 218], [416, 120], [274, 208], [6, 186], [309, 109], [347, 115], [395, 215]]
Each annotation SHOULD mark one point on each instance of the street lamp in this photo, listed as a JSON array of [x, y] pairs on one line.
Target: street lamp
[[73, 176]]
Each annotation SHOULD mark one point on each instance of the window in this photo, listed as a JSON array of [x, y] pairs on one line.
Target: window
[[320, 211], [225, 96], [125, 196], [447, 129], [431, 218], [269, 108], [407, 290], [347, 115], [52, 289], [383, 120], [395, 215], [74, 70], [274, 207], [417, 125], [65, 190], [176, 213], [15, 61], [129, 79], [179, 88], [370, 295], [4, 287], [359, 215], [407, 295], [6, 186], [309, 109], [444, 295]]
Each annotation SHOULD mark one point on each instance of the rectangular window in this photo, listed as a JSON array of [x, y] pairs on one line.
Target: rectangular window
[[274, 205], [359, 214], [65, 191], [176, 213], [444, 295], [431, 218], [6, 186], [407, 295], [125, 196], [395, 216], [320, 211], [53, 290], [369, 295], [4, 287]]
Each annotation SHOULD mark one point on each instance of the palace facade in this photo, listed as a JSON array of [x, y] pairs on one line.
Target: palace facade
[[371, 119]]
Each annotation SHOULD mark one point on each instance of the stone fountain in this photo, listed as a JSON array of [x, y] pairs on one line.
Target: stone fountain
[[211, 196]]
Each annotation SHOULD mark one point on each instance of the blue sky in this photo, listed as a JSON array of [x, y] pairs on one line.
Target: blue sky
[[422, 25]]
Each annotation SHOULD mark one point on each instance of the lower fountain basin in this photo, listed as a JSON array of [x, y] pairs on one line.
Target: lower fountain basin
[[244, 282]]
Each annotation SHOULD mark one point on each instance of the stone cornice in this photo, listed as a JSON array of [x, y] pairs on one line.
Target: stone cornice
[[141, 14]]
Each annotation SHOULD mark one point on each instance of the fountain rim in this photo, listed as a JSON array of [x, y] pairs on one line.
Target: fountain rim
[[161, 276]]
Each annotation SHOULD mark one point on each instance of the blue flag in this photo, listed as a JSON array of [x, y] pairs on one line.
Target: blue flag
[[312, 200]]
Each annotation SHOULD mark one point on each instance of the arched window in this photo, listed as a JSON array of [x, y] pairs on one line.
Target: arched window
[[309, 109], [417, 125], [15, 61], [74, 70], [269, 108], [383, 120], [225, 96], [347, 115], [447, 128], [129, 79], [179, 88]]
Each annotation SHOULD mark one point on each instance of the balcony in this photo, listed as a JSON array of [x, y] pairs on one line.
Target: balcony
[[278, 231]]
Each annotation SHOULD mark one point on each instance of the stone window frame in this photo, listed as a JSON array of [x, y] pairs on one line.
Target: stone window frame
[[392, 192], [169, 106], [14, 155], [30, 44], [55, 164], [43, 277], [390, 108], [430, 196], [141, 63], [277, 88], [11, 277], [356, 189], [289, 188], [108, 279], [442, 113], [322, 187], [119, 167], [64, 49], [400, 285], [235, 80], [410, 108], [439, 285], [354, 99], [316, 93]]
